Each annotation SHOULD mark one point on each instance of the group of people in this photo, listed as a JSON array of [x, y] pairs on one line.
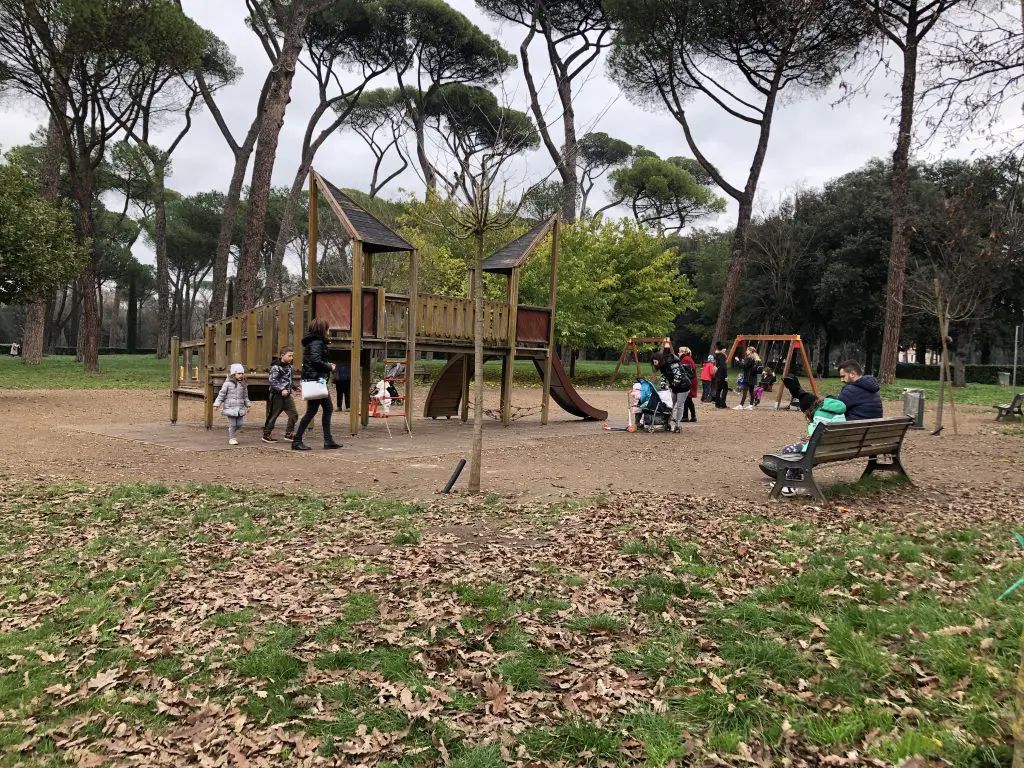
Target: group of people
[[234, 403], [680, 374]]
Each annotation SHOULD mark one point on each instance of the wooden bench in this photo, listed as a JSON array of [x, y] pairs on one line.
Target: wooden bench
[[1012, 409], [419, 371], [840, 441]]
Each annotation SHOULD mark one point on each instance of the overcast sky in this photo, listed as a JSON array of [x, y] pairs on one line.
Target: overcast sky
[[812, 140]]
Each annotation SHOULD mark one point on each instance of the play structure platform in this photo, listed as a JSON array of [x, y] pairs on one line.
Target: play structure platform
[[368, 323]]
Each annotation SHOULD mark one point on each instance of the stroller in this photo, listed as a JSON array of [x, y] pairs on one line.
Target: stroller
[[655, 407]]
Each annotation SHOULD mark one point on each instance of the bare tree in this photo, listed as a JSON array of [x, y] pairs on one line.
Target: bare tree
[[480, 139], [780, 246], [379, 120]]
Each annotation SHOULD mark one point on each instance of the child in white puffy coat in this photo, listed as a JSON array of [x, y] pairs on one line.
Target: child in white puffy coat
[[233, 401]]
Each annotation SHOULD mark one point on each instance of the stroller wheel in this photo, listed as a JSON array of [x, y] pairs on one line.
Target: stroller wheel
[[631, 428]]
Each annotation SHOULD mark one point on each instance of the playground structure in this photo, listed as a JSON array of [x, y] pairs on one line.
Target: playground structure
[[629, 348], [791, 345], [366, 321]]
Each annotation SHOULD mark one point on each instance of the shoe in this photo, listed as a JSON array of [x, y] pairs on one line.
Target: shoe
[[232, 441], [748, 407], [787, 491], [269, 438], [289, 435], [300, 447], [331, 446], [738, 408]]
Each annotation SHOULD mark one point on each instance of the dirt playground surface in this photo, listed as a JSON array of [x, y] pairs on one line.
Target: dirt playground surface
[[114, 436]]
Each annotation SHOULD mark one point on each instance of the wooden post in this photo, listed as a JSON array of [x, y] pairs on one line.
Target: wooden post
[[509, 362], [208, 394], [785, 373], [298, 313], [314, 230], [358, 395], [282, 326], [174, 379], [552, 303], [807, 367], [364, 386], [410, 343], [251, 342]]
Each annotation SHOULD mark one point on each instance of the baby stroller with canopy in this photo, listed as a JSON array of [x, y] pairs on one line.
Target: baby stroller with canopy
[[655, 407]]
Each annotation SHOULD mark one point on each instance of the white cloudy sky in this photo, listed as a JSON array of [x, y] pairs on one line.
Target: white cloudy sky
[[812, 140]]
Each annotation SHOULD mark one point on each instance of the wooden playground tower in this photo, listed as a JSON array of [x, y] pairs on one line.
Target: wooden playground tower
[[377, 322], [795, 343]]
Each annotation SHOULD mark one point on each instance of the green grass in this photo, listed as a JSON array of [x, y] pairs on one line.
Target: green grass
[[146, 372], [874, 634], [62, 372]]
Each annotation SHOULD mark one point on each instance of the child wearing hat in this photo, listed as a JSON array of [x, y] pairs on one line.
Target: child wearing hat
[[233, 401]]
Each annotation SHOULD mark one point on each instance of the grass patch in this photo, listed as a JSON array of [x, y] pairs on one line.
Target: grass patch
[[867, 486]]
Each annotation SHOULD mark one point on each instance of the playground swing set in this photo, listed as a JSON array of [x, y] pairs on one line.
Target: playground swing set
[[366, 322], [788, 348], [630, 350]]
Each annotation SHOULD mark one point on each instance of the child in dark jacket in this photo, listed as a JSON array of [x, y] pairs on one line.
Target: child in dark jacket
[[282, 396]]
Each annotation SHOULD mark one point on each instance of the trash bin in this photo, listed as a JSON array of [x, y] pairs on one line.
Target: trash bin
[[913, 406], [1004, 379]]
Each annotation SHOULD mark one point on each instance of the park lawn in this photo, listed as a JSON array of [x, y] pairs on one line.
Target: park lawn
[[141, 618], [146, 372], [62, 372]]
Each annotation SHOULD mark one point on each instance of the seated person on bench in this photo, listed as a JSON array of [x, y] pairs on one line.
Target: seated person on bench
[[860, 393], [817, 410]]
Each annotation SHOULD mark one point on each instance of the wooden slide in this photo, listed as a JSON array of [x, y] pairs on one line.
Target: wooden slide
[[446, 392]]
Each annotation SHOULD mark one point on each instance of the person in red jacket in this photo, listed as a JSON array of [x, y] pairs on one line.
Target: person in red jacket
[[707, 373], [686, 360]]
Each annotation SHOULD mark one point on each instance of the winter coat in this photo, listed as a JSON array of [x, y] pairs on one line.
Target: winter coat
[[862, 399], [829, 411], [281, 377], [721, 367], [314, 358], [673, 373], [233, 399], [750, 366], [342, 373], [707, 373], [687, 360]]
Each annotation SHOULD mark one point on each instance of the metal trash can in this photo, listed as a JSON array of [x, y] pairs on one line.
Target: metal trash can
[[1004, 379], [913, 406]]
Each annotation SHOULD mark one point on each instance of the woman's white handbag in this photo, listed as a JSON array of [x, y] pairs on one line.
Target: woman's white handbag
[[314, 390]]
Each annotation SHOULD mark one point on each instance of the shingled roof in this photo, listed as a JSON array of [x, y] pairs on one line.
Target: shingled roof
[[377, 237], [519, 250]]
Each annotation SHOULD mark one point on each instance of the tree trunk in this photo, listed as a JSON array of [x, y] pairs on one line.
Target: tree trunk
[[570, 152], [115, 317], [732, 281], [132, 314], [278, 96], [217, 309], [900, 247], [90, 340], [429, 177], [287, 228], [35, 330], [478, 369], [163, 276], [35, 317]]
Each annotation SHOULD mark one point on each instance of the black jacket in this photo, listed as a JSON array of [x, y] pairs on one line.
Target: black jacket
[[721, 367], [862, 399], [314, 358], [750, 364], [671, 370]]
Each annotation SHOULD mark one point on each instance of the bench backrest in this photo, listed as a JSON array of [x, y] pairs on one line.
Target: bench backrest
[[839, 441]]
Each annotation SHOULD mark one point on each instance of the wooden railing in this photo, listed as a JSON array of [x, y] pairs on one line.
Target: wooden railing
[[254, 338], [442, 317]]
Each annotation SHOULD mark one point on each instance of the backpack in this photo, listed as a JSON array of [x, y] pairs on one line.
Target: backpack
[[686, 375]]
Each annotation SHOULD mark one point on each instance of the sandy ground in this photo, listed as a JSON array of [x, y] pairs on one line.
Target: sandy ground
[[102, 436]]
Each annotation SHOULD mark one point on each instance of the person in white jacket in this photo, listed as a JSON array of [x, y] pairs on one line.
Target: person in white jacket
[[233, 401]]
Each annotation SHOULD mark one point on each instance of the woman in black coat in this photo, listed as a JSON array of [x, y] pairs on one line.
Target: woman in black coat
[[315, 365]]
